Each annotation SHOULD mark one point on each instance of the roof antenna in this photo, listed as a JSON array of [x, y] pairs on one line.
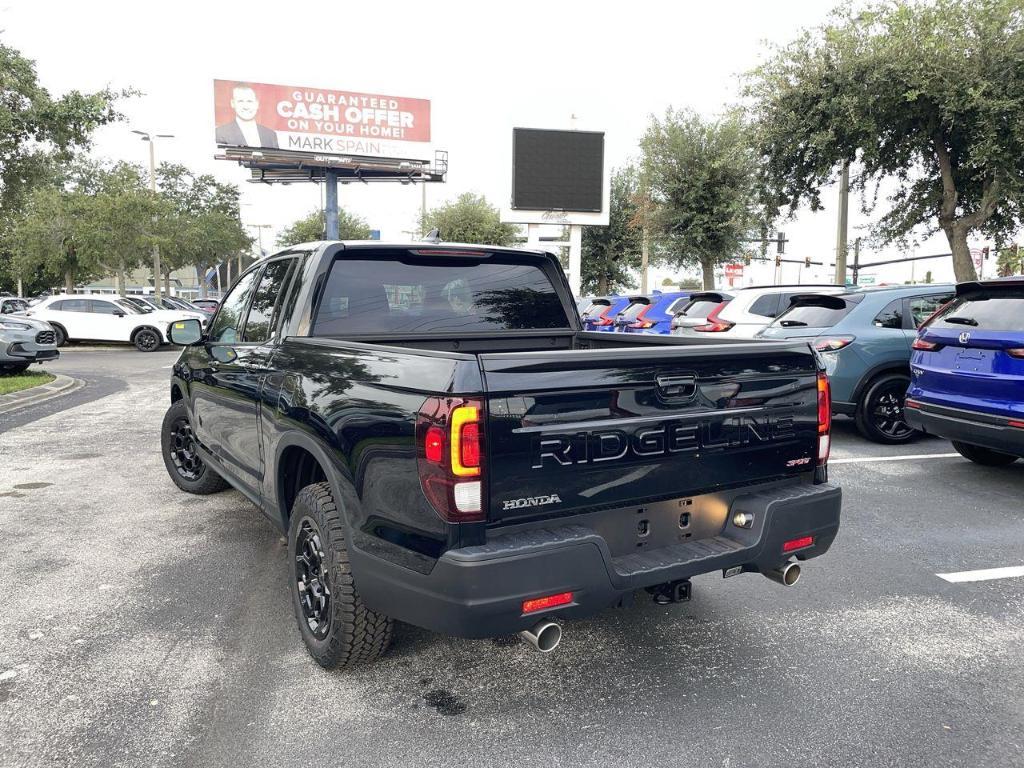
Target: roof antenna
[[433, 236]]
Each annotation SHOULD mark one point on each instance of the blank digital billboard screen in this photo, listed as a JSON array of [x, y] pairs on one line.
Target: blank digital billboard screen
[[557, 170]]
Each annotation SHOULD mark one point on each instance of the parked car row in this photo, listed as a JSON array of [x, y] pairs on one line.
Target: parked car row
[[23, 340], [965, 380]]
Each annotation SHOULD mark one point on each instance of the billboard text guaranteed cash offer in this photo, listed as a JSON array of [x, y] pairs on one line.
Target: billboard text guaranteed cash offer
[[320, 120]]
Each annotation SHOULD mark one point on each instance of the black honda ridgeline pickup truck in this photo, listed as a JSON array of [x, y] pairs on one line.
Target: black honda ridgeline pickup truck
[[444, 446]]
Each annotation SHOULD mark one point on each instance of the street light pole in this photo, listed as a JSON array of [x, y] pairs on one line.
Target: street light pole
[[151, 138]]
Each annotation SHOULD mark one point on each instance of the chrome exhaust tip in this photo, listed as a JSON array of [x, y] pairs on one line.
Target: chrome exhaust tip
[[544, 636], [787, 575]]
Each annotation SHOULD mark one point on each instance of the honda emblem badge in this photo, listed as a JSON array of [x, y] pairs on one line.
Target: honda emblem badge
[[965, 337]]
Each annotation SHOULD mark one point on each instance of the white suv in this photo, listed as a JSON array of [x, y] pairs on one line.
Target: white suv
[[106, 318], [751, 310]]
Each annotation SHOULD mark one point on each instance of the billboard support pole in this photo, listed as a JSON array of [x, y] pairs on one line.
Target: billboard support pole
[[331, 205], [575, 258]]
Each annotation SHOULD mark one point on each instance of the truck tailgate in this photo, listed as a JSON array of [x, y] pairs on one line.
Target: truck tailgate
[[577, 431]]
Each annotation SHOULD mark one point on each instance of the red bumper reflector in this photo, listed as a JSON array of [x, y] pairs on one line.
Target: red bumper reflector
[[911, 404], [794, 544], [1017, 424], [542, 603]]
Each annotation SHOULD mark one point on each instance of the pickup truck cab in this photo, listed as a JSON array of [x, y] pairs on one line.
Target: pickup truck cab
[[445, 446], [967, 372]]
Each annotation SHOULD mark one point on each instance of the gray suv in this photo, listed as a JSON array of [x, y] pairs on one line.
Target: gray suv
[[23, 340]]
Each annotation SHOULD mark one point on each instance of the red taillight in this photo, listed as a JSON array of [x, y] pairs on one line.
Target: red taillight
[[714, 324], [924, 346], [794, 544], [832, 343], [434, 444], [449, 439], [1018, 353], [542, 603], [824, 418], [640, 322], [1015, 423]]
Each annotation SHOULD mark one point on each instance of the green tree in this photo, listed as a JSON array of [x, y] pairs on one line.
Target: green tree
[[39, 135], [610, 253], [203, 226], [311, 227], [700, 178], [927, 94], [469, 219], [1010, 261], [121, 223]]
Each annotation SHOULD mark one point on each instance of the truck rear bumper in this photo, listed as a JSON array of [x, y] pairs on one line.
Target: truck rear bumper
[[479, 591], [997, 433]]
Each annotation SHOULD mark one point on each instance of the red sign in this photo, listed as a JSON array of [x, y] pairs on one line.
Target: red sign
[[733, 270], [319, 120]]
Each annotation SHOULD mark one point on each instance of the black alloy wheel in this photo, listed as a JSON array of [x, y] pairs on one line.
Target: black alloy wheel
[[60, 338], [312, 579], [147, 340], [183, 451], [880, 414]]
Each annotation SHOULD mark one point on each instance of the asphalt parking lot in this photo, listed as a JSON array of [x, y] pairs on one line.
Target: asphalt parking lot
[[140, 626]]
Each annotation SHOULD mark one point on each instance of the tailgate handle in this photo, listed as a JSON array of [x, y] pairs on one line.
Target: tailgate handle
[[677, 386]]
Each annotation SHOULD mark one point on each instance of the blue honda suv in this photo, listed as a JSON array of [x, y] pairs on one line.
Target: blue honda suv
[[864, 338], [651, 314], [967, 372]]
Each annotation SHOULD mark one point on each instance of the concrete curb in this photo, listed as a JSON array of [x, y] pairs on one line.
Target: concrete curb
[[61, 385]]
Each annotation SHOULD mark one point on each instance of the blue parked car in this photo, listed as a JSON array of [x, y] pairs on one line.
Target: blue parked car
[[651, 314], [967, 373], [600, 315], [864, 338]]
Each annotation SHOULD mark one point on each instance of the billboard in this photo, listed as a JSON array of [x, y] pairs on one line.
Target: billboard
[[557, 170], [321, 120]]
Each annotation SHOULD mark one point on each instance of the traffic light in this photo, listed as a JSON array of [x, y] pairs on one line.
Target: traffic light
[[778, 261], [781, 243], [984, 253], [807, 262]]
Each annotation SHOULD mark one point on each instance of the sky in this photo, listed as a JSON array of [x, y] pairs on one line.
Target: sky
[[486, 68]]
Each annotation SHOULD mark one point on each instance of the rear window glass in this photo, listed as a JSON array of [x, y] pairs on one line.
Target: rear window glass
[[595, 309], [765, 306], [407, 294], [632, 312], [991, 310], [813, 315], [700, 308]]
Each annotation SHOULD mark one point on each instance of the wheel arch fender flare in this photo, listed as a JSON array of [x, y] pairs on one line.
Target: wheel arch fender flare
[[298, 439], [881, 369]]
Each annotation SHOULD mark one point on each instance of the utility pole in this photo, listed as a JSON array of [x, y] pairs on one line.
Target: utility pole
[[423, 208], [856, 261], [151, 138], [841, 230]]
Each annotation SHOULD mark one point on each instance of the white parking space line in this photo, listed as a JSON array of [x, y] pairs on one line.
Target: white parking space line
[[984, 575], [865, 459]]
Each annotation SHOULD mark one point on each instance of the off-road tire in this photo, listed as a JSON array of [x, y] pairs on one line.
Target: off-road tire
[[354, 633], [984, 456], [873, 400], [206, 481]]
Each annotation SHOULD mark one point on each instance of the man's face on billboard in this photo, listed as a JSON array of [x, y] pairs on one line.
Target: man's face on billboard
[[245, 103]]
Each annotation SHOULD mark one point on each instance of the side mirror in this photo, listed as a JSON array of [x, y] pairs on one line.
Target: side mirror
[[118, 313], [185, 333]]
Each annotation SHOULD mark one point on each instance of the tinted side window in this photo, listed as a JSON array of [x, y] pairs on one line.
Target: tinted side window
[[766, 306], [259, 327], [923, 307], [103, 308], [227, 326], [891, 315], [73, 305]]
